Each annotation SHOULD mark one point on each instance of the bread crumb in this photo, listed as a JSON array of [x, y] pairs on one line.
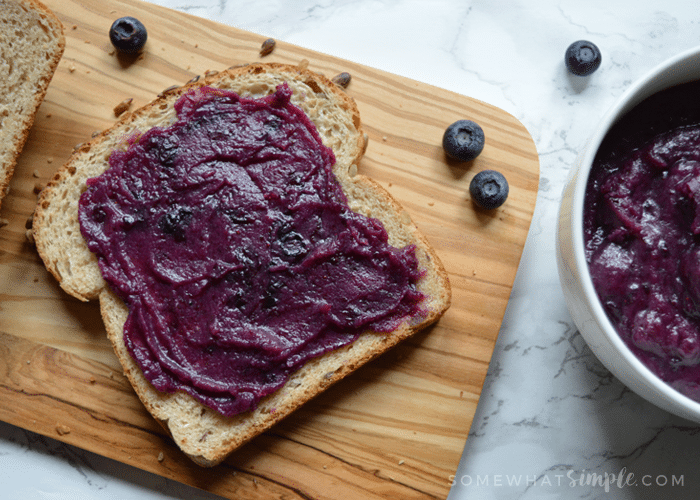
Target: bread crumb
[[401, 462], [112, 52], [92, 379], [62, 430], [48, 115], [87, 41], [71, 68], [267, 47], [4, 222], [325, 466], [431, 203], [29, 362], [122, 107], [303, 64], [342, 80], [75, 27], [36, 173], [384, 138], [161, 456], [474, 272]]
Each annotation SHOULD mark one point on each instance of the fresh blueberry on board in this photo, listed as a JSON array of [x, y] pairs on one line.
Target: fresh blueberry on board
[[463, 140], [582, 58], [489, 189], [128, 35]]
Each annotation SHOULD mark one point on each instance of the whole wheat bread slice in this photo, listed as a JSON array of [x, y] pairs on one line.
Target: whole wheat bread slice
[[31, 45], [203, 434]]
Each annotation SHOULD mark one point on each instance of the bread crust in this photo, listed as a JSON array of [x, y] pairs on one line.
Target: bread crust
[[204, 435], [31, 90]]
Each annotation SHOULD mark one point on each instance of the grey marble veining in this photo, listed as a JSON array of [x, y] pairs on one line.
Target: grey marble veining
[[552, 422]]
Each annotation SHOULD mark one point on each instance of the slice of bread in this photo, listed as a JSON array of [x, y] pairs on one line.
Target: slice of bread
[[203, 434], [31, 45]]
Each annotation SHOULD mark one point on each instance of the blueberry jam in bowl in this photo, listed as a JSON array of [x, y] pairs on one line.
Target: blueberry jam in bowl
[[628, 237]]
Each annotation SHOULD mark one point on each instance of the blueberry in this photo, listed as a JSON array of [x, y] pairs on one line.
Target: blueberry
[[463, 140], [175, 223], [489, 189], [294, 245], [582, 58], [128, 35]]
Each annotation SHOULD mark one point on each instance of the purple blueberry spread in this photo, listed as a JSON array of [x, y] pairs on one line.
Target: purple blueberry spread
[[232, 244], [642, 235]]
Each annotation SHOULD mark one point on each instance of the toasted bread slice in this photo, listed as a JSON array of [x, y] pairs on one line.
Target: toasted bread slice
[[31, 45], [203, 434]]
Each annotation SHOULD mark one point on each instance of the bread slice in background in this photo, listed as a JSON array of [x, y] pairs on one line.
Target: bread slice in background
[[203, 434], [31, 45]]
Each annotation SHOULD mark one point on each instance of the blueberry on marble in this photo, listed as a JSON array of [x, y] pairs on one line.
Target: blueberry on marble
[[489, 189], [463, 140], [128, 35], [582, 58]]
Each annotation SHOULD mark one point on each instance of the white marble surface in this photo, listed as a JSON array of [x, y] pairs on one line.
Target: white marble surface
[[550, 413]]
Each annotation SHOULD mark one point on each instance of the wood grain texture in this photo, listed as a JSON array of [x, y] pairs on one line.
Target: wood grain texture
[[394, 429]]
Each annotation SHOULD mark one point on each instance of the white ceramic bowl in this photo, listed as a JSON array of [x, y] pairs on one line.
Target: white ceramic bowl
[[581, 299]]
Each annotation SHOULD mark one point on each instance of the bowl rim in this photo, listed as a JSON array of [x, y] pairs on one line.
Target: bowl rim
[[642, 88]]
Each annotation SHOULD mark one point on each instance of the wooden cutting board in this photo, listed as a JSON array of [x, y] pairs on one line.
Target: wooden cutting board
[[394, 429]]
